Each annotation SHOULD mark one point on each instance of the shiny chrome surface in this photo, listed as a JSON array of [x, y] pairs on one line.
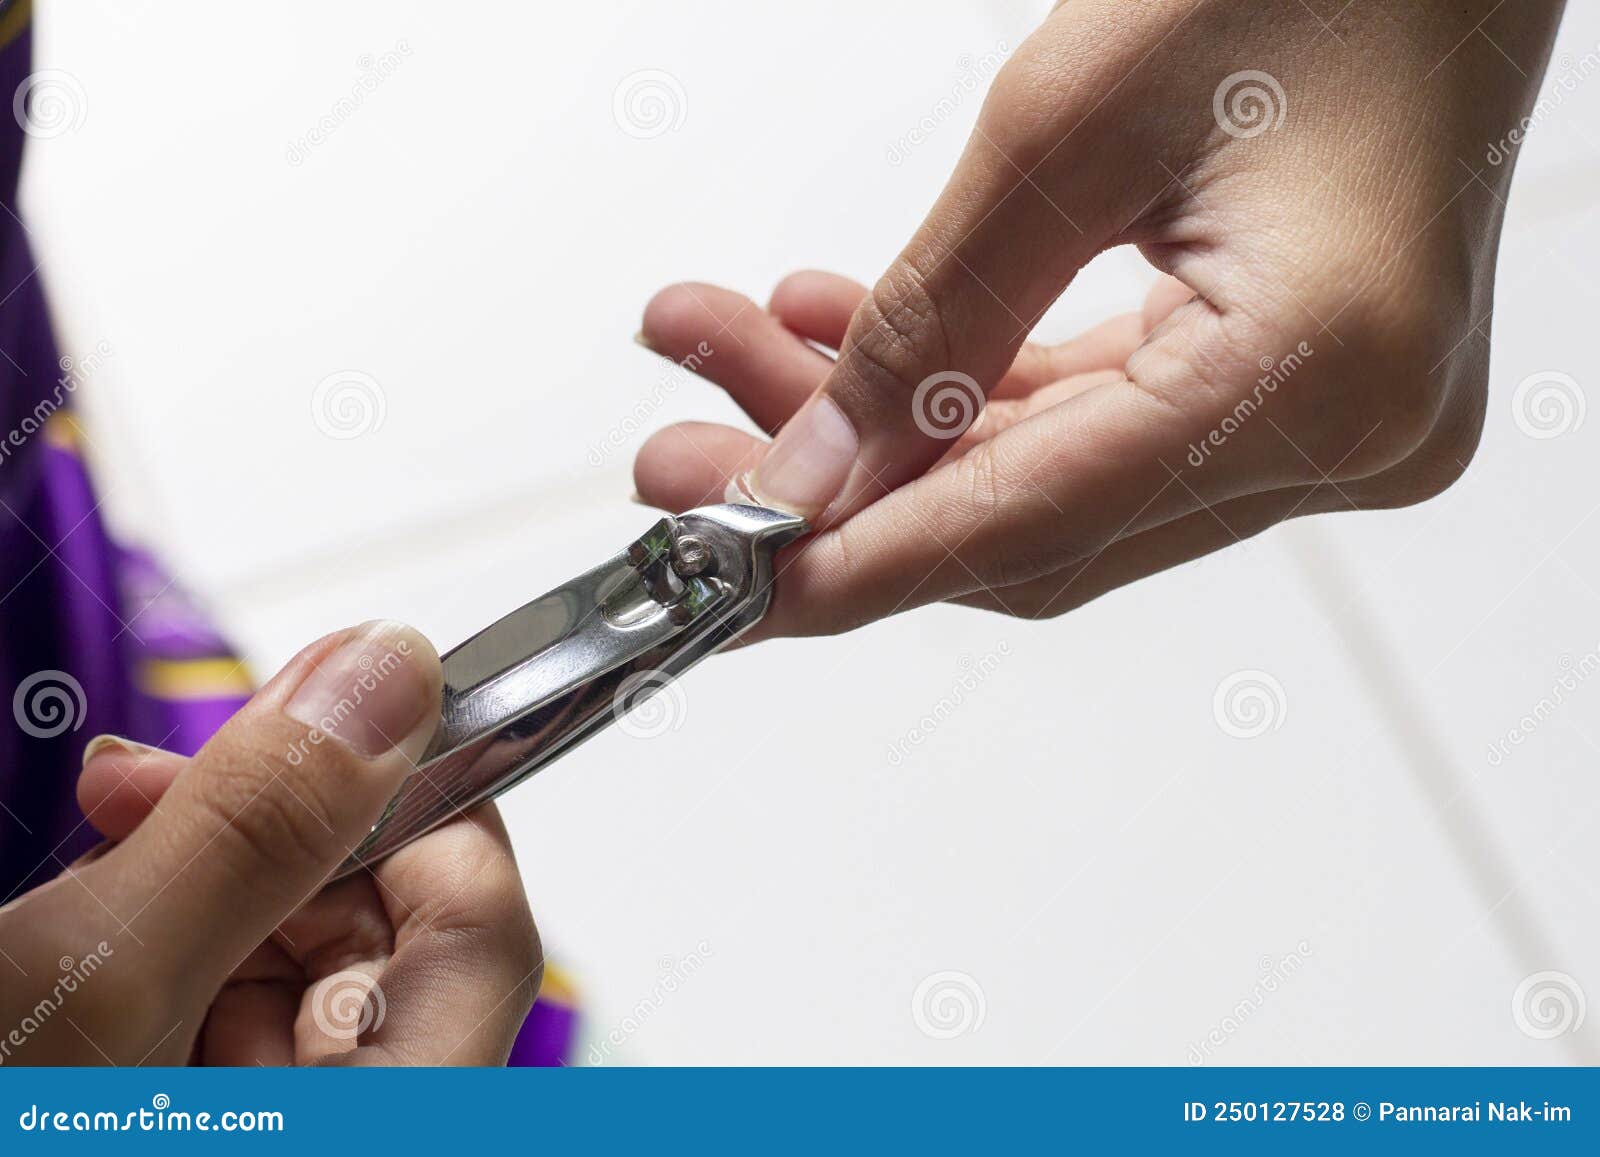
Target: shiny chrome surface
[[552, 673]]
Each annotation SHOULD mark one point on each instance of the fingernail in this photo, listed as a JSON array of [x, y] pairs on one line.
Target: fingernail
[[101, 744], [640, 339], [809, 461], [376, 690]]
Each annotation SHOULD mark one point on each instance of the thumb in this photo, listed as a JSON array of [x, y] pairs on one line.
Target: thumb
[[944, 323], [276, 800]]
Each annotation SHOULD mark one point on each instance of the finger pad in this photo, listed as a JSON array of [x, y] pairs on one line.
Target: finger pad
[[689, 464], [817, 305], [680, 314]]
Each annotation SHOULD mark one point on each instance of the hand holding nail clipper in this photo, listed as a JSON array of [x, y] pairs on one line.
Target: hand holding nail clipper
[[1317, 199]]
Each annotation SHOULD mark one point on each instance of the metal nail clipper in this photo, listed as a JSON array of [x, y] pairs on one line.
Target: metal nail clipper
[[529, 688]]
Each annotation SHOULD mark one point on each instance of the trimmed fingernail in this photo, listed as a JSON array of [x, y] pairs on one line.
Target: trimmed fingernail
[[640, 339], [809, 461], [101, 744], [376, 690]]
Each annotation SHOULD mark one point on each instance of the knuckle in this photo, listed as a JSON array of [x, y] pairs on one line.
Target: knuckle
[[1407, 356], [1390, 416], [899, 337], [271, 817], [467, 886], [473, 889], [1368, 406], [1429, 480], [498, 927], [1437, 465], [503, 928]]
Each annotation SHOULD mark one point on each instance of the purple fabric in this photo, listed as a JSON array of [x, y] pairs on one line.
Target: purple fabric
[[60, 691], [172, 629], [546, 1037], [63, 644], [96, 638]]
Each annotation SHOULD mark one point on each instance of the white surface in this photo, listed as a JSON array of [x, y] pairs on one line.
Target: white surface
[[1079, 837]]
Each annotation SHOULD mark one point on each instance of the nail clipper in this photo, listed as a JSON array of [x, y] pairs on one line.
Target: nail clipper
[[526, 690]]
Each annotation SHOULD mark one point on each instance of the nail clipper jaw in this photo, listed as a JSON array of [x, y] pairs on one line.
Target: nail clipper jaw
[[678, 569], [746, 540], [708, 557]]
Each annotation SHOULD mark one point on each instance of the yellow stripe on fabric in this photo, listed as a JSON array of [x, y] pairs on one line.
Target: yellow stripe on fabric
[[194, 678], [13, 19], [558, 988], [62, 431]]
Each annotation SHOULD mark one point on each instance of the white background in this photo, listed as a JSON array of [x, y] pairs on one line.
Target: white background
[[1080, 838]]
